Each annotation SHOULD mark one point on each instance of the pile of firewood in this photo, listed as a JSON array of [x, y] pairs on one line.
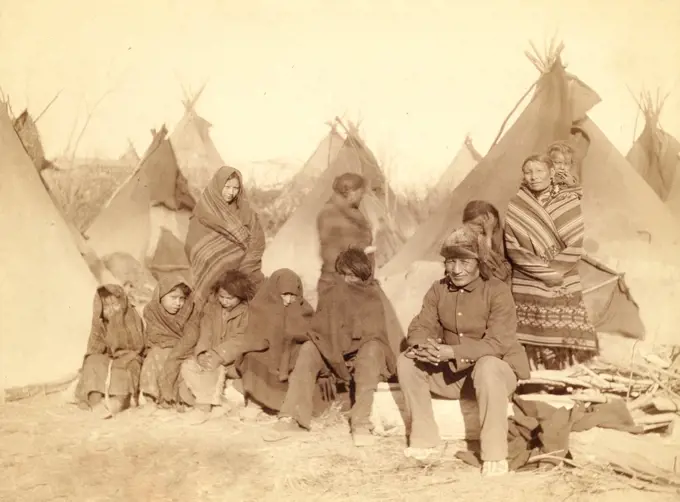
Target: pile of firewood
[[650, 388]]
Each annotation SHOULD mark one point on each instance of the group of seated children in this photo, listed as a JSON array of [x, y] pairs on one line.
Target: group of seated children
[[270, 342]]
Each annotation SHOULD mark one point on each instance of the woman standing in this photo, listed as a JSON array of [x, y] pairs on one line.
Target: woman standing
[[343, 226], [224, 234], [544, 242]]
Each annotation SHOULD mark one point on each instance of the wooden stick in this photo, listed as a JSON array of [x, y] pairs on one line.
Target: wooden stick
[[656, 419], [641, 401], [594, 375], [662, 403], [653, 427], [542, 381]]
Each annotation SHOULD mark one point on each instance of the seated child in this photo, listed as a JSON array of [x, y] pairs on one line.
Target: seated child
[[171, 332], [348, 336], [113, 361], [278, 321], [222, 327]]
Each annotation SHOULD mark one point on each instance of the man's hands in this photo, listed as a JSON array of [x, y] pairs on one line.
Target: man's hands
[[209, 360], [431, 352]]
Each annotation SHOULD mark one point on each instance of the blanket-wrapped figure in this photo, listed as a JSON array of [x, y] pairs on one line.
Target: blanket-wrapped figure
[[113, 360], [224, 234]]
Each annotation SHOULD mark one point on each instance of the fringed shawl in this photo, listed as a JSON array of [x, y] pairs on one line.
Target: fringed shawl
[[352, 315], [120, 338], [223, 236], [340, 227], [163, 329]]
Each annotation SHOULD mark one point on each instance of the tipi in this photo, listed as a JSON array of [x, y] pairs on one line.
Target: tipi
[[130, 156], [461, 165], [627, 228], [46, 288], [654, 155], [305, 179], [196, 154], [155, 196], [27, 130], [296, 243]]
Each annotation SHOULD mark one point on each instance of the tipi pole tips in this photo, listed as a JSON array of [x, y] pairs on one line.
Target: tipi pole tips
[[544, 61]]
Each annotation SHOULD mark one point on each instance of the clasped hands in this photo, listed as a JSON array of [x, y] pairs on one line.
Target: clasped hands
[[430, 352]]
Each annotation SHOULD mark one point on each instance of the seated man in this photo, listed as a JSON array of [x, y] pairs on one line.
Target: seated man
[[348, 337], [463, 344]]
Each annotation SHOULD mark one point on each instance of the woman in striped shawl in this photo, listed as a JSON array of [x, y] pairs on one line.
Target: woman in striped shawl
[[113, 361], [544, 242], [224, 234]]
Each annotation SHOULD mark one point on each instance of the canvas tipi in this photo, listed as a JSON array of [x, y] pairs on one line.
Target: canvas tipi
[[654, 155], [130, 156], [27, 131], [296, 244], [305, 179], [196, 154], [464, 161], [628, 230], [154, 197], [46, 288]]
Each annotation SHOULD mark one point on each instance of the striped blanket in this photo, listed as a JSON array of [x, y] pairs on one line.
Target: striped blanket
[[223, 236], [544, 244]]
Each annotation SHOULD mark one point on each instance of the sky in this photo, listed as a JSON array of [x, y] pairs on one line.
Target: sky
[[417, 74]]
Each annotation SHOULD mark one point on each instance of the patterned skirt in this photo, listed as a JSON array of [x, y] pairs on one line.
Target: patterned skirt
[[556, 332]]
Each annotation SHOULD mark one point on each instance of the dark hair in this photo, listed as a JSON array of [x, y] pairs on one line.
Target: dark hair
[[348, 182], [539, 157], [476, 208], [186, 290], [355, 261], [560, 146], [578, 130], [104, 292], [237, 284]]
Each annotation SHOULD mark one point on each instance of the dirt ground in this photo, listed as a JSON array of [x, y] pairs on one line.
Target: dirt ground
[[53, 451]]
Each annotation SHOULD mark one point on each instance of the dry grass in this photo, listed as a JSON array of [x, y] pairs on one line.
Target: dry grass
[[82, 191], [53, 451]]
